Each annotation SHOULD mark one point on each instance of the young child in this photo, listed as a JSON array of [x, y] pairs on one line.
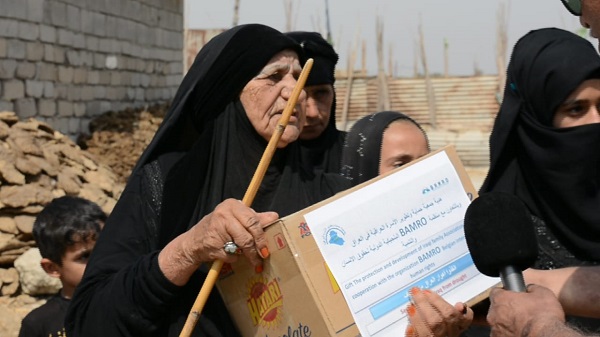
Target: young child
[[65, 231]]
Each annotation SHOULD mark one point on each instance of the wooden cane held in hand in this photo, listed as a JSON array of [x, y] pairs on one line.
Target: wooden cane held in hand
[[259, 174]]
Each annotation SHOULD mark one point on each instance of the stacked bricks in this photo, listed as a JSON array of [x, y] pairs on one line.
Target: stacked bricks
[[65, 62]]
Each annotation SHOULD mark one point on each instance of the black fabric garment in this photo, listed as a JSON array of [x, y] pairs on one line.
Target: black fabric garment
[[551, 255], [205, 151], [556, 172], [324, 56], [47, 320], [362, 151], [325, 151], [230, 164]]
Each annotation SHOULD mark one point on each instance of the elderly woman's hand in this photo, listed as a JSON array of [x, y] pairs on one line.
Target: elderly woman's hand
[[430, 315], [231, 221]]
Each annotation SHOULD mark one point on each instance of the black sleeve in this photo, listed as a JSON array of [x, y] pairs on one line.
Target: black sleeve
[[123, 291]]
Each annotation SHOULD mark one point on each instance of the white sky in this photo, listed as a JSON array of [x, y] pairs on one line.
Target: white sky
[[469, 26]]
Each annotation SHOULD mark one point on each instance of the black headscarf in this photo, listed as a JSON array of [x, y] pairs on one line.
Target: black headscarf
[[216, 78], [325, 57], [362, 151], [554, 171], [323, 152]]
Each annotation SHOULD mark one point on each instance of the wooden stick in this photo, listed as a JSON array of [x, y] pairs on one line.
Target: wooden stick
[[259, 174]]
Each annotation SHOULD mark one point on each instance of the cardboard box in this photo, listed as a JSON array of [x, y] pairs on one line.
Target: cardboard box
[[296, 295]]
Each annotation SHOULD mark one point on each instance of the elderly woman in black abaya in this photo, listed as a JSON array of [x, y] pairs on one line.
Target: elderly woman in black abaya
[[181, 203]]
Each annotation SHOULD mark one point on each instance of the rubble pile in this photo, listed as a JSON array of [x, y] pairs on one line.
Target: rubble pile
[[118, 139]]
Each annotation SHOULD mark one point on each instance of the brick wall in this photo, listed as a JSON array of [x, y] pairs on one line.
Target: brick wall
[[67, 61]]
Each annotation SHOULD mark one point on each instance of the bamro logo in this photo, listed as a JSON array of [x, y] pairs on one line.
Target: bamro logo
[[436, 185], [264, 302]]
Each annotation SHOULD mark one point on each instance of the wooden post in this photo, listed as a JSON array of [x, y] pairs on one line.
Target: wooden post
[[391, 61], [501, 44], [290, 21], [349, 80], [364, 58], [327, 22], [236, 12], [383, 96], [428, 84], [445, 57], [416, 60]]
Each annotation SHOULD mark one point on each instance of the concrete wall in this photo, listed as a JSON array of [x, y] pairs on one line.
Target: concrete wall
[[67, 61]]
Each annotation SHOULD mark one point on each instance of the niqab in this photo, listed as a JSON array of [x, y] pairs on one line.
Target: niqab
[[555, 171]]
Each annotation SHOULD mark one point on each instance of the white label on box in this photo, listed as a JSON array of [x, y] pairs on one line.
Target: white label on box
[[400, 232]]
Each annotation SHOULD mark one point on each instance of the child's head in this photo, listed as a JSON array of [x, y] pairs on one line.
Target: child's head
[[66, 231]]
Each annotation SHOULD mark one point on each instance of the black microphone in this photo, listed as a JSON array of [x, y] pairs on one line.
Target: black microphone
[[501, 238]]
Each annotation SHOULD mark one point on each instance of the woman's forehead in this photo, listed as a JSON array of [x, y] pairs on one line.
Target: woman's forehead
[[284, 58]]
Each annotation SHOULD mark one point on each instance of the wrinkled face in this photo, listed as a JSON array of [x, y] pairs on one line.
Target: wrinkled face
[[402, 143], [265, 97], [581, 107], [318, 109], [590, 16], [73, 265]]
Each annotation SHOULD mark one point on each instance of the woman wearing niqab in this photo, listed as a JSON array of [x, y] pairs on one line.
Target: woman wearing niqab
[[206, 151], [555, 171]]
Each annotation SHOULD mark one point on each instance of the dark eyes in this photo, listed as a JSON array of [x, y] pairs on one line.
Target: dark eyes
[[84, 257], [320, 93], [575, 109], [276, 77]]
